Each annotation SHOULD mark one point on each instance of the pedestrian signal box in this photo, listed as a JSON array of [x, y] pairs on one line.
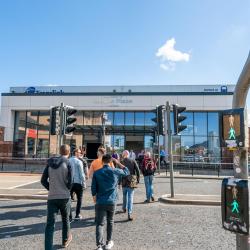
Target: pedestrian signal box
[[234, 205], [233, 130]]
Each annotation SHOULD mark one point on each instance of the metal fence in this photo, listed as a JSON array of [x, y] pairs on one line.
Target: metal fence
[[37, 165], [32, 165], [200, 168]]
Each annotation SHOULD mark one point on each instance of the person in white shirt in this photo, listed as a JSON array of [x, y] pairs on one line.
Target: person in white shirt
[[132, 155], [78, 181]]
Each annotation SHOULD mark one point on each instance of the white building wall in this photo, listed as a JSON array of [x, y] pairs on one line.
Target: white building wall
[[125, 102]]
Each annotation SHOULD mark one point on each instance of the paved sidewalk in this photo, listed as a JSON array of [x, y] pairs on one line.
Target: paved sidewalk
[[156, 226], [198, 190]]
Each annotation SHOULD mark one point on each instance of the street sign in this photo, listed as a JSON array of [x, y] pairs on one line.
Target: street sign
[[234, 205], [233, 130]]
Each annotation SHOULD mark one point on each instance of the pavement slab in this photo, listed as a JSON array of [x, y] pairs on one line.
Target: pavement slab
[[156, 225]]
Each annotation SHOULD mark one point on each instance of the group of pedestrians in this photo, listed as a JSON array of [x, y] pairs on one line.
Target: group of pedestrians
[[65, 177]]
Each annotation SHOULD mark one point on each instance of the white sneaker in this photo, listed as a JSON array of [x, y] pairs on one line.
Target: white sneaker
[[99, 248], [109, 245]]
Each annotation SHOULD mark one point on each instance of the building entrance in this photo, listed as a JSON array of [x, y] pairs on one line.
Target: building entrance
[[92, 148], [136, 143]]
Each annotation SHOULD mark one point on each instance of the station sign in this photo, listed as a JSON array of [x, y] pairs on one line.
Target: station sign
[[233, 129], [234, 205]]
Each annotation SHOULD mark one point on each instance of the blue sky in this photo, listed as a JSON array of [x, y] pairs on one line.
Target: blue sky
[[116, 42]]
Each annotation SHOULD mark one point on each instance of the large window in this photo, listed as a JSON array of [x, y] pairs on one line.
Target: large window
[[19, 134], [43, 134], [129, 118], [189, 122], [119, 118], [139, 118], [31, 134], [213, 124], [200, 123], [200, 141], [148, 118]]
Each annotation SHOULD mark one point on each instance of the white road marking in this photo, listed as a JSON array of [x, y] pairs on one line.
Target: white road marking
[[24, 184]]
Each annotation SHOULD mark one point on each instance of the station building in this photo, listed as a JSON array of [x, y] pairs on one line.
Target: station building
[[120, 116]]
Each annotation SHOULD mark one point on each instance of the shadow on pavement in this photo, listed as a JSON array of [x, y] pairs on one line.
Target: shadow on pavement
[[39, 228], [26, 205], [18, 215]]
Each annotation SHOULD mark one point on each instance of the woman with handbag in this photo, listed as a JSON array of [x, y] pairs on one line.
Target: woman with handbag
[[129, 183]]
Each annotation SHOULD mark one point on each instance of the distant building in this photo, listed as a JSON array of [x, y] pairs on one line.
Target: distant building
[[129, 110]]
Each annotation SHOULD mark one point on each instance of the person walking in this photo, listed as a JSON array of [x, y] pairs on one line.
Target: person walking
[[148, 168], [78, 181], [97, 163], [129, 183], [132, 155], [104, 192], [58, 172]]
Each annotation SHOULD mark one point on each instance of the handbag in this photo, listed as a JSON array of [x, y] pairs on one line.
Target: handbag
[[130, 181]]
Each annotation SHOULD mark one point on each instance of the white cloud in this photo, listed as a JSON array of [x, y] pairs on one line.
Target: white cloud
[[169, 55]]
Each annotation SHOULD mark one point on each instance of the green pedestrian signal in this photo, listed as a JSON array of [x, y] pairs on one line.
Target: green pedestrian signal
[[235, 207], [232, 134]]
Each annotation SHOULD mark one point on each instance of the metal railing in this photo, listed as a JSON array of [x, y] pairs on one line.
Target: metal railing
[[201, 168], [35, 165]]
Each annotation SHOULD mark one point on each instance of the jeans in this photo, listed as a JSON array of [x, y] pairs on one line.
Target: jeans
[[103, 211], [128, 196], [53, 207], [148, 180], [78, 189]]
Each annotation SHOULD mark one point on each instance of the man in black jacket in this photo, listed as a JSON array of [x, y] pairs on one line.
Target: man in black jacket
[[129, 183], [56, 179]]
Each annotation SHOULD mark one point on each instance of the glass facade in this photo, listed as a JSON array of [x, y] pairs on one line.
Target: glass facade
[[200, 141], [119, 130]]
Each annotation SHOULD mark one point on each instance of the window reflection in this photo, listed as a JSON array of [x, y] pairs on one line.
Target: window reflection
[[97, 118], [214, 150], [109, 120], [19, 134], [187, 150], [148, 142], [118, 143], [87, 117], [213, 124], [43, 135], [148, 118], [129, 118], [189, 123], [31, 134], [119, 118], [139, 118], [200, 123]]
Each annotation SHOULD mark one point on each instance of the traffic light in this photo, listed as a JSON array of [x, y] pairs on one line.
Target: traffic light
[[55, 121], [69, 119], [234, 205], [159, 119], [178, 118]]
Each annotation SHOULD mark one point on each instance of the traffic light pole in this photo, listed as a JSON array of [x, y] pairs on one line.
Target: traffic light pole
[[241, 155], [158, 142], [168, 133], [61, 124]]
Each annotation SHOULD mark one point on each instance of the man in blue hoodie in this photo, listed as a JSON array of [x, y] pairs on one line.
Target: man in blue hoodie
[[56, 179], [104, 192]]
